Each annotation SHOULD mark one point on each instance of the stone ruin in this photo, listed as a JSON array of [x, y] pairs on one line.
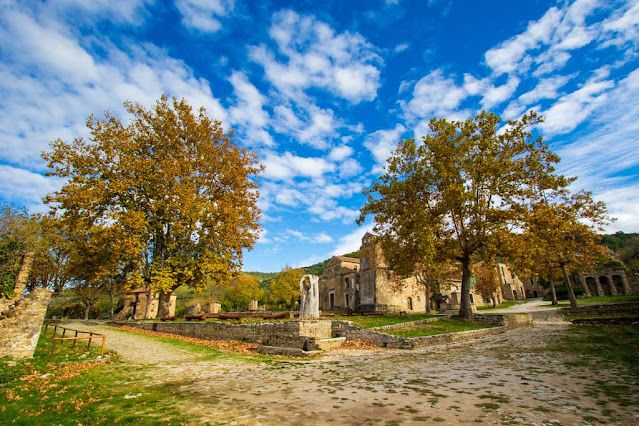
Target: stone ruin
[[309, 306], [21, 316]]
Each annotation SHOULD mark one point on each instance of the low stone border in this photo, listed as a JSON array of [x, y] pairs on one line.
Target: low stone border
[[278, 350], [408, 324]]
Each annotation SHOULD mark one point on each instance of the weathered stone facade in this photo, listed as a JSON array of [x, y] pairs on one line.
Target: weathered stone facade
[[21, 322], [368, 284], [605, 282], [135, 303], [292, 334], [512, 288]]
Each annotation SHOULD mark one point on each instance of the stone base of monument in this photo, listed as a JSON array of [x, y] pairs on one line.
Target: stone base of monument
[[332, 343], [278, 350]]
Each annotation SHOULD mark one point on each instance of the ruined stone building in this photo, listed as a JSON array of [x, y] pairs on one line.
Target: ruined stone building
[[368, 284], [512, 287], [135, 303], [605, 282]]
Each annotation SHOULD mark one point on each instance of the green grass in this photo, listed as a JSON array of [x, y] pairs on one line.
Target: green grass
[[452, 325], [371, 321], [71, 390], [604, 300]]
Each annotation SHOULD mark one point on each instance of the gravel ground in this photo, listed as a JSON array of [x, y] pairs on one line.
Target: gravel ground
[[504, 379]]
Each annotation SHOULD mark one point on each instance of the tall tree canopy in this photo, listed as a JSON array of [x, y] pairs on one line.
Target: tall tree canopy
[[170, 182], [466, 187], [286, 288]]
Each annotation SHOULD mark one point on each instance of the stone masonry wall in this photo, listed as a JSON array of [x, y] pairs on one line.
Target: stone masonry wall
[[292, 334], [20, 325], [377, 338], [508, 321], [616, 309]]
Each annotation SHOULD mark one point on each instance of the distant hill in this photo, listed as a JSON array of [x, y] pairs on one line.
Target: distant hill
[[315, 269], [617, 241]]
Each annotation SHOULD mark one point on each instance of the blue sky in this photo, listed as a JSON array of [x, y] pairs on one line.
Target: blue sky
[[322, 91]]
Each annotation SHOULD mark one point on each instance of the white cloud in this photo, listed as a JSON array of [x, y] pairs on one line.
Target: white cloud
[[351, 242], [49, 91], [248, 113], [26, 186], [288, 166], [382, 143], [434, 95], [572, 109], [262, 239], [204, 15], [623, 204], [496, 95], [340, 153], [344, 64], [401, 47], [321, 238], [600, 157]]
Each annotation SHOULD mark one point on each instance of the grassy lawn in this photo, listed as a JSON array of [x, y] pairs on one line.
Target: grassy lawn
[[76, 389], [596, 300], [503, 305], [370, 321], [452, 325]]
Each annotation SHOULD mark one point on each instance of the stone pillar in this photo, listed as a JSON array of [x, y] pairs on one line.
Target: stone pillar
[[600, 291], [625, 284], [309, 308], [613, 287], [584, 285]]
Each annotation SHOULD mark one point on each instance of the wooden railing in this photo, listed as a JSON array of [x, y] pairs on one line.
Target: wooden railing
[[91, 336]]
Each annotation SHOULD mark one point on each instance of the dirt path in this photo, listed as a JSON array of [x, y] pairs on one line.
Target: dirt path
[[134, 348], [531, 305], [503, 379]]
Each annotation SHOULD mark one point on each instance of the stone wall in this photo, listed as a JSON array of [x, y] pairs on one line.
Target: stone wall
[[20, 324], [292, 334], [508, 321], [616, 309], [378, 338]]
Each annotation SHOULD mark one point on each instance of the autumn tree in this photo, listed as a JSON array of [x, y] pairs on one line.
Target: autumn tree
[[487, 282], [243, 289], [171, 179], [467, 184], [564, 228], [286, 288]]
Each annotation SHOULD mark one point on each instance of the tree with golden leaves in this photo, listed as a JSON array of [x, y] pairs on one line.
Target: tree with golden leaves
[[286, 288], [466, 186], [564, 229], [243, 289], [171, 179], [487, 281]]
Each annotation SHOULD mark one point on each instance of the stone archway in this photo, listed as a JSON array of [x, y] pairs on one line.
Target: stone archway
[[591, 283], [618, 283], [605, 285]]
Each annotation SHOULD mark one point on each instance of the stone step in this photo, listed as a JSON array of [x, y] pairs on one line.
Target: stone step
[[332, 343]]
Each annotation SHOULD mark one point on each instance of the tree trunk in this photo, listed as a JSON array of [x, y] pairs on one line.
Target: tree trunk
[[164, 305], [86, 313], [552, 291], [112, 307], [465, 309], [571, 294], [149, 299], [494, 301], [427, 295]]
